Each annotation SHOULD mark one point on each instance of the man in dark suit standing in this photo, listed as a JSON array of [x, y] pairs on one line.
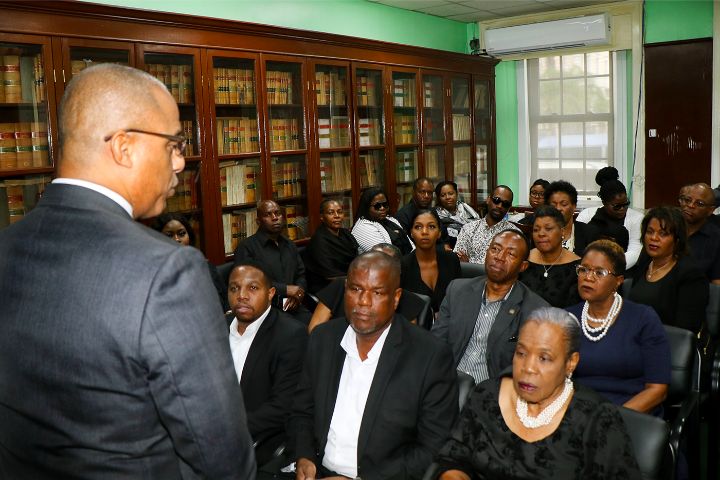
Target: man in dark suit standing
[[268, 347], [377, 397], [114, 359]]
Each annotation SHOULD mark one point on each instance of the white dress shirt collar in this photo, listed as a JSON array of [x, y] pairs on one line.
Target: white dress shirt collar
[[240, 343], [112, 195]]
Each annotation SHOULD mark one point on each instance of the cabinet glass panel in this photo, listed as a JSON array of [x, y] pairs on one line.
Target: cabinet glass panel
[[235, 102], [435, 163], [434, 118], [290, 191], [406, 165], [19, 195], [372, 168], [460, 95], [83, 57], [369, 106], [283, 82], [237, 226], [461, 159], [404, 108], [481, 108], [332, 106]]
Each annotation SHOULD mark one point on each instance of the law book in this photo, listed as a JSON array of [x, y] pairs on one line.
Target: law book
[[8, 147], [232, 86], [251, 172], [15, 200], [11, 78], [398, 93], [326, 175], [291, 217], [39, 78], [175, 82], [223, 183], [40, 148], [340, 131], [23, 142], [324, 133], [429, 94]]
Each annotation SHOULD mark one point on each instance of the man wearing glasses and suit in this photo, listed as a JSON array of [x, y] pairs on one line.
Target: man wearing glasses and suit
[[114, 358]]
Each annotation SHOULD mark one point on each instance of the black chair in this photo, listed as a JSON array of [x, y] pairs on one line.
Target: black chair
[[711, 398], [471, 270], [425, 318], [224, 271], [649, 436], [625, 287]]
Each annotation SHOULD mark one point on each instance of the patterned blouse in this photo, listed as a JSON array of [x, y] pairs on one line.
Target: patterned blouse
[[475, 237]]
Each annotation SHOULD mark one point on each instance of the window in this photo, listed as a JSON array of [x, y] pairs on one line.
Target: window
[[570, 118]]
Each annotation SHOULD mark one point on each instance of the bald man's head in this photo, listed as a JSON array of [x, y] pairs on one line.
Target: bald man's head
[[375, 260], [697, 202]]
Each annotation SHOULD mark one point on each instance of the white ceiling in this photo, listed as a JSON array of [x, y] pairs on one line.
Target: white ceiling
[[477, 10]]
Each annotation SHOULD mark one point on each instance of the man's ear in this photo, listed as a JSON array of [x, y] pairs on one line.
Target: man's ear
[[121, 147], [523, 266], [398, 294], [271, 293]]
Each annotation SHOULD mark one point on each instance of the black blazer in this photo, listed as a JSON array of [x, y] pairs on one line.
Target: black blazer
[[583, 237], [412, 404], [270, 375]]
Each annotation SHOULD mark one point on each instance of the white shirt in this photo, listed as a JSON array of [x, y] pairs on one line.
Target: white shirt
[[369, 233], [240, 343], [357, 376], [114, 196]]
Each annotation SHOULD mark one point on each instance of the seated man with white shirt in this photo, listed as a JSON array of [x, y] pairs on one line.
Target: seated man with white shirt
[[377, 395], [268, 347]]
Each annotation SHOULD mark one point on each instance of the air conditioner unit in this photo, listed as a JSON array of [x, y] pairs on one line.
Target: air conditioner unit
[[533, 37]]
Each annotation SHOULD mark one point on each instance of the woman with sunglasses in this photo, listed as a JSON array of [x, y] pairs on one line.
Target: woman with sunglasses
[[453, 212], [667, 278], [615, 219], [374, 224], [624, 350]]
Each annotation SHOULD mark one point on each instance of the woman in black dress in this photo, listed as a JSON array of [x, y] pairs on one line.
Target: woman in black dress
[[428, 270], [539, 423]]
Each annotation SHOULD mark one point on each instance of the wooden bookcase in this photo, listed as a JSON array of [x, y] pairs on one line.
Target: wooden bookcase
[[272, 112]]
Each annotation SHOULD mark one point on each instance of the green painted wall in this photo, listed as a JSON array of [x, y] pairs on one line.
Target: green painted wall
[[669, 20], [506, 120], [358, 18]]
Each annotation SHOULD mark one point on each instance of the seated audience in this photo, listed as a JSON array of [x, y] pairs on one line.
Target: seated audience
[[563, 196], [536, 199], [279, 257], [331, 248], [453, 212], [374, 224], [177, 227], [267, 347], [475, 237], [331, 299], [480, 317], [538, 423], [422, 197], [667, 278], [615, 220], [624, 350], [377, 396], [697, 203], [551, 270], [428, 270]]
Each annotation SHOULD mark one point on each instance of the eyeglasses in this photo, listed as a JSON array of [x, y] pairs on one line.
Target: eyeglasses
[[499, 201], [180, 141], [689, 202], [597, 272], [537, 194], [380, 205], [620, 206]]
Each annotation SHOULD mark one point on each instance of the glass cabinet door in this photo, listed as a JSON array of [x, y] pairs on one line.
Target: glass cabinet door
[[287, 143], [483, 122], [25, 112], [405, 128], [370, 121], [461, 139], [433, 125], [78, 54]]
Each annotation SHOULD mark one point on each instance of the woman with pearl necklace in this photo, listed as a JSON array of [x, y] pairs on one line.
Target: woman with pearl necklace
[[624, 350]]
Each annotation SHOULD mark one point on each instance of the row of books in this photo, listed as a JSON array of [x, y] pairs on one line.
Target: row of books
[[335, 173], [432, 95], [18, 197], [237, 135], [405, 129], [22, 78], [461, 126], [234, 86], [329, 89], [280, 88], [77, 66], [178, 79], [238, 183], [186, 193], [287, 179], [237, 226], [189, 133], [462, 157], [334, 131], [284, 134], [369, 131], [406, 164], [367, 94], [371, 169], [404, 92], [23, 145], [434, 165]]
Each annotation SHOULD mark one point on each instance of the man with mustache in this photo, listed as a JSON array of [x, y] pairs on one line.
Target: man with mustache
[[697, 202], [377, 397], [479, 317], [474, 238]]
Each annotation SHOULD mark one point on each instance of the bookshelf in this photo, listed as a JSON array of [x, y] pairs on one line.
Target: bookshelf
[[272, 113]]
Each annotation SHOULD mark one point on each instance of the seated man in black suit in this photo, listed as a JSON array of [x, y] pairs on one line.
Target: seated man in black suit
[[377, 397], [422, 197], [268, 347]]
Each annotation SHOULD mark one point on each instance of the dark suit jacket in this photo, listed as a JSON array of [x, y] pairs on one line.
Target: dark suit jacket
[[270, 376], [114, 357], [459, 312], [583, 237], [411, 407]]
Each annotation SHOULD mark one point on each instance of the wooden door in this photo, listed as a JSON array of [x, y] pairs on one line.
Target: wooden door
[[678, 118]]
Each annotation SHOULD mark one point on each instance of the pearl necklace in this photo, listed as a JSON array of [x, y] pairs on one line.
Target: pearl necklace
[[545, 417], [595, 334]]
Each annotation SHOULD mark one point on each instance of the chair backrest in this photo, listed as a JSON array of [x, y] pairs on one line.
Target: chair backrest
[[425, 318], [650, 439], [224, 271], [625, 287], [713, 311], [471, 270], [466, 383], [683, 356]]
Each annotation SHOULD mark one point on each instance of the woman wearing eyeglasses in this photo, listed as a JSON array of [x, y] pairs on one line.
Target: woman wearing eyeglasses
[[667, 278], [624, 350], [537, 199], [375, 225], [615, 215]]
